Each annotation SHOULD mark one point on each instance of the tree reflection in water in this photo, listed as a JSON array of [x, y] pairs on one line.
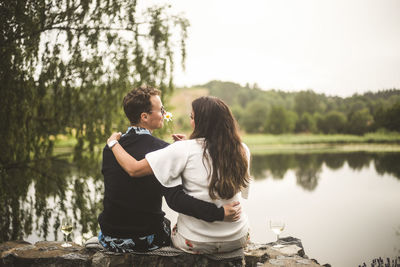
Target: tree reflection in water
[[359, 161], [35, 198], [307, 173], [386, 163], [307, 167]]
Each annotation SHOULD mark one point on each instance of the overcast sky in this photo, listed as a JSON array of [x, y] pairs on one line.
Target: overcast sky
[[337, 47]]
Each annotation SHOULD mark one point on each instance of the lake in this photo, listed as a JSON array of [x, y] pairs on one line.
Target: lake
[[345, 207]]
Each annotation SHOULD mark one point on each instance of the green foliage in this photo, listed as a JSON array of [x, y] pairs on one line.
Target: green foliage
[[65, 67], [224, 90], [306, 124], [307, 101], [254, 117], [355, 105], [388, 118], [280, 121], [238, 113], [394, 117], [332, 123], [360, 122]]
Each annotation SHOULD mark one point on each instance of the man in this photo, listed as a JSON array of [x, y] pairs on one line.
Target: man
[[132, 219]]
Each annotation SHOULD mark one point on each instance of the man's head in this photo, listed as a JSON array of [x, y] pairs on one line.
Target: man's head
[[144, 108]]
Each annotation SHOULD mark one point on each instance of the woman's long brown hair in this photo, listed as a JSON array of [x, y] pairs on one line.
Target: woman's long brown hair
[[215, 123]]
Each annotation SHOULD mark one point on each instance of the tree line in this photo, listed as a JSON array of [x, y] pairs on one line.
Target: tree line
[[277, 112]]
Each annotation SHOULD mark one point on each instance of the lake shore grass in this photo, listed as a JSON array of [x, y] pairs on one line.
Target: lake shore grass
[[320, 148], [374, 138], [314, 143]]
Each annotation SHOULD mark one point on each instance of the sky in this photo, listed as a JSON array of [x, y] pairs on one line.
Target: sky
[[336, 47]]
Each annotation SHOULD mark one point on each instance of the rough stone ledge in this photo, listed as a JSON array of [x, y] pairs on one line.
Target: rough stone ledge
[[47, 253]]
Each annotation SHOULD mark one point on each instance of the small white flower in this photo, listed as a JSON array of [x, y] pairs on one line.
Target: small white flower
[[168, 116]]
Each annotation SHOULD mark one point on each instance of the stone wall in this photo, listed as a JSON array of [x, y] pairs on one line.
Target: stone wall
[[48, 253]]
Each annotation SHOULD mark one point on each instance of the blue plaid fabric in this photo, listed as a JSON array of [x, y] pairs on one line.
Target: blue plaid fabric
[[138, 130], [139, 244], [124, 245]]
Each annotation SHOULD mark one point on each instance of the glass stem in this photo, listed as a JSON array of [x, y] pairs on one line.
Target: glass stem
[[277, 239]]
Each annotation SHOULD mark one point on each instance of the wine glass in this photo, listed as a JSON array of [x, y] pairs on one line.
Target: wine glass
[[66, 228], [277, 226]]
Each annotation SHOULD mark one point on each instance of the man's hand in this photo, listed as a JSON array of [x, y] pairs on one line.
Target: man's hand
[[232, 211], [114, 136], [178, 137]]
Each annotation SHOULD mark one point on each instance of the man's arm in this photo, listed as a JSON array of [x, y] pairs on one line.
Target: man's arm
[[181, 202]]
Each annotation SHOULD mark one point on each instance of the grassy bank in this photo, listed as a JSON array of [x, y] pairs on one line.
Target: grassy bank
[[306, 143], [374, 138]]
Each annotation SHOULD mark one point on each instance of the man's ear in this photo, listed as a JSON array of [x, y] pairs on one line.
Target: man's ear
[[143, 116]]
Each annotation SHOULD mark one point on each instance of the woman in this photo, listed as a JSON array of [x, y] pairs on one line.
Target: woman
[[213, 165]]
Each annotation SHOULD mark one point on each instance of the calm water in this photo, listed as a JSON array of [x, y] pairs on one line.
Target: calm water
[[344, 207]]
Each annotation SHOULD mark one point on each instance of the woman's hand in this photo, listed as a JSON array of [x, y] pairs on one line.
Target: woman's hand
[[232, 211], [179, 137], [131, 166], [114, 136]]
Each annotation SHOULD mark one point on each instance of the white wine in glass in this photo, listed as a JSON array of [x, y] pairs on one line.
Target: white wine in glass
[[277, 226], [66, 228]]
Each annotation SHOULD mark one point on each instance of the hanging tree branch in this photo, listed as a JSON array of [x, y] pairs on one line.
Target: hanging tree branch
[[70, 63]]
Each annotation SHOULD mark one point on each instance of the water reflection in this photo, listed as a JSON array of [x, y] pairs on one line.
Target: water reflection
[[307, 167], [36, 197]]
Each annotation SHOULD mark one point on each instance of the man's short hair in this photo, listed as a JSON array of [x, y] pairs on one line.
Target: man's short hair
[[138, 101]]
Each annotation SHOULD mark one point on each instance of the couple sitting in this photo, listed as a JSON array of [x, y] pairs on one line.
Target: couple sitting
[[200, 178]]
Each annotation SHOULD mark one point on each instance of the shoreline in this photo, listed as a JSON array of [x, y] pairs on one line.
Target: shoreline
[[262, 149]]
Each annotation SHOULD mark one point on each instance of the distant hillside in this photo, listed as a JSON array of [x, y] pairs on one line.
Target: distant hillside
[[180, 105], [182, 98]]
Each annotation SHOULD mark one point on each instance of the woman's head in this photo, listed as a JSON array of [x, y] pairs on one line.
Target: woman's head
[[214, 122], [211, 116]]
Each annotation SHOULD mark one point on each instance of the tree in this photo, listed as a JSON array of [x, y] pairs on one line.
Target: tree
[[254, 117], [237, 112], [224, 90], [392, 121], [388, 118], [65, 66], [332, 123], [280, 120], [306, 123], [359, 122], [306, 101]]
